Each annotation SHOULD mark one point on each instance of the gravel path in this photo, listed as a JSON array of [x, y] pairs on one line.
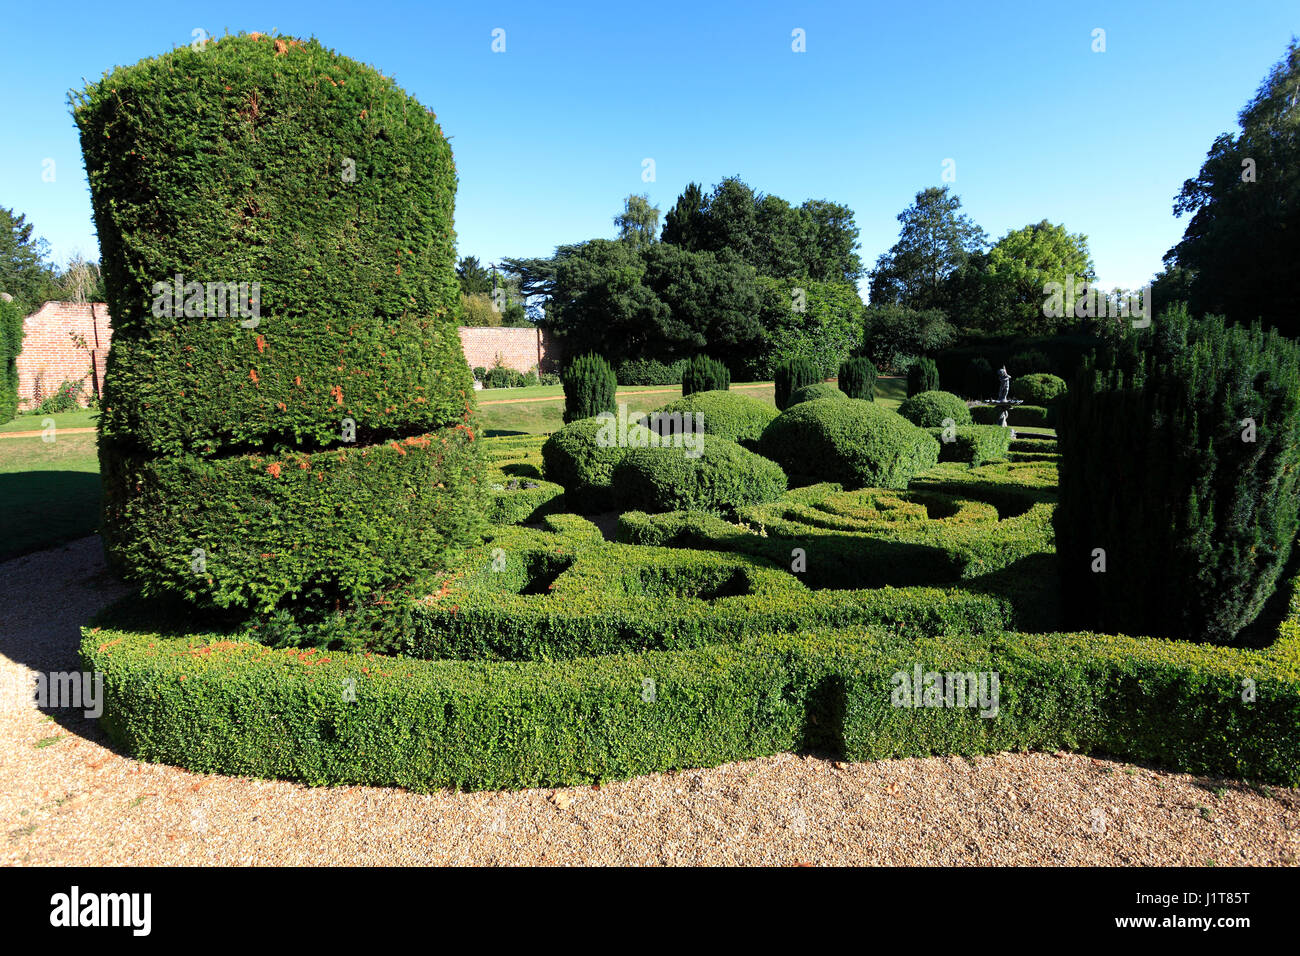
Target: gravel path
[[67, 798]]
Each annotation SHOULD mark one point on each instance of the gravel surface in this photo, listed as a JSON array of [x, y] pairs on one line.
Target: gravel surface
[[69, 798]]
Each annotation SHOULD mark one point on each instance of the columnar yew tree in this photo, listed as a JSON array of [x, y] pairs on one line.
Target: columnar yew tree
[[1180, 480], [295, 422]]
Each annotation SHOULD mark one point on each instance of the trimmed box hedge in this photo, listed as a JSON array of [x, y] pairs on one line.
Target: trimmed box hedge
[[1025, 416], [974, 444], [352, 719], [858, 444], [720, 476], [731, 415]]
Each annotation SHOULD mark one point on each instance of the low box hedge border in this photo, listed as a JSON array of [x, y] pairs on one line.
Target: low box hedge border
[[239, 708]]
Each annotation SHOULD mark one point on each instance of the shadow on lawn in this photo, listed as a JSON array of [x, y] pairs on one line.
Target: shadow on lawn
[[46, 508]]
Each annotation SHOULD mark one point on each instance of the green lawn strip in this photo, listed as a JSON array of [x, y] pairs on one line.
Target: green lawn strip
[[84, 418], [50, 490]]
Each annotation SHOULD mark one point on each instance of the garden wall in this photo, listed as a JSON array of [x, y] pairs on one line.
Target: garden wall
[[63, 341], [520, 349]]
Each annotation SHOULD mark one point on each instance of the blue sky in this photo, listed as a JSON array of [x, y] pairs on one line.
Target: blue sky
[[550, 135]]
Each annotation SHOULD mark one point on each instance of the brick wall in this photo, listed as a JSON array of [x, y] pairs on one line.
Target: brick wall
[[519, 349], [52, 353]]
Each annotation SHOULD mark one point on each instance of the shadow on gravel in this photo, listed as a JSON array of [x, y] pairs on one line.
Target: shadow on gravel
[[45, 599]]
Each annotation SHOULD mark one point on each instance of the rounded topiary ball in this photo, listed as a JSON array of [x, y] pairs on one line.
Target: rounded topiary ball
[[721, 478], [856, 443], [582, 455], [286, 405], [817, 390], [730, 415], [931, 409], [1040, 388]]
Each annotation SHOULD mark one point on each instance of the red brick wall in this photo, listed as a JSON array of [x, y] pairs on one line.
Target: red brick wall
[[51, 355], [519, 349]]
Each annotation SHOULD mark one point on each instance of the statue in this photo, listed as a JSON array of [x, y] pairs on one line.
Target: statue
[[1004, 394]]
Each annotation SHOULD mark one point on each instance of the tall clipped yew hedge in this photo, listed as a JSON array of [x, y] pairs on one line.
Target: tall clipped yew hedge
[[1180, 480], [316, 438], [11, 343]]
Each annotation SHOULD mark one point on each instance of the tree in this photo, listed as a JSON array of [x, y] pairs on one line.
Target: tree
[[638, 223], [685, 223], [935, 242], [600, 301], [474, 278], [80, 282], [712, 302], [895, 334], [1008, 290], [1242, 243], [817, 240], [25, 272]]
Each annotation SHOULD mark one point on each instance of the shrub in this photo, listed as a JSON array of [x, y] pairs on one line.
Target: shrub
[[589, 386], [720, 477], [931, 409], [1038, 389], [793, 374], [704, 374], [852, 442], [581, 456], [974, 444], [1019, 416], [548, 378], [923, 376], [221, 433], [650, 372], [1029, 362], [11, 343], [857, 379], [814, 391], [731, 415], [1180, 461], [480, 373], [980, 381], [66, 398], [501, 376]]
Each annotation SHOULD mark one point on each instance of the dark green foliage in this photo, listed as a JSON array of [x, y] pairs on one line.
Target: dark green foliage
[[1032, 362], [250, 531], [273, 162], [1020, 416], [581, 457], [814, 391], [703, 374], [934, 409], [793, 374], [719, 478], [974, 444], [893, 334], [980, 381], [923, 376], [855, 443], [1180, 458], [651, 372], [857, 379], [11, 343], [817, 321], [589, 385], [250, 143], [1039, 389], [731, 415]]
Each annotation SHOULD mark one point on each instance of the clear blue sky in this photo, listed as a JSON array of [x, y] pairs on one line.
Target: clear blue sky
[[550, 135]]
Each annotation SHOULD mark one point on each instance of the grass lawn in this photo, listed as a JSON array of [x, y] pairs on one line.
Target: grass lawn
[[32, 423], [50, 490]]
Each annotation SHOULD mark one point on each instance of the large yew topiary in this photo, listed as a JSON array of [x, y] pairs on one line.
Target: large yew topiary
[[1180, 480], [311, 437]]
